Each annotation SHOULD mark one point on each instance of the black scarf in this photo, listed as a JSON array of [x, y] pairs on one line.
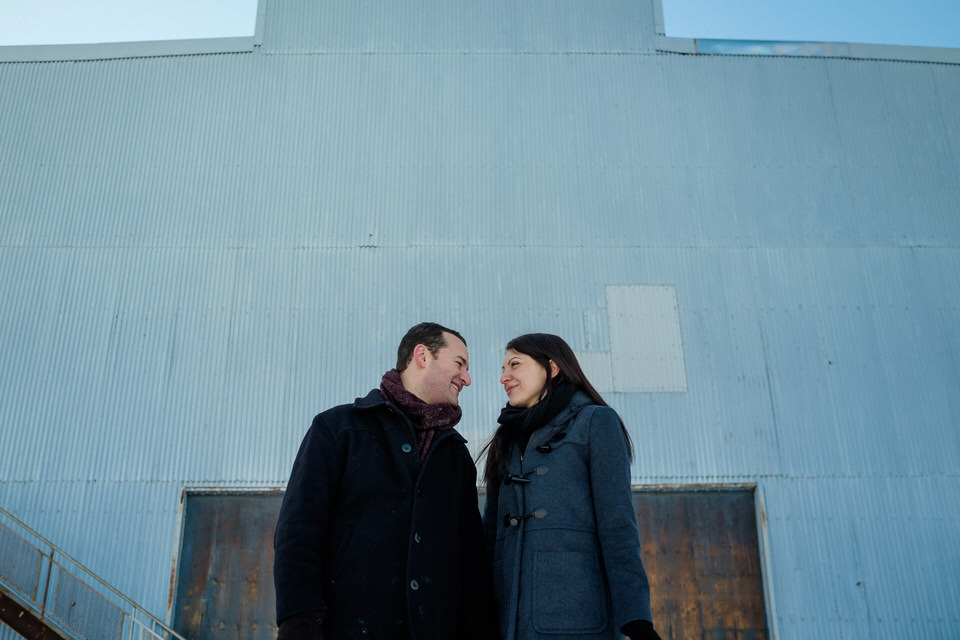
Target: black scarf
[[427, 418], [520, 423]]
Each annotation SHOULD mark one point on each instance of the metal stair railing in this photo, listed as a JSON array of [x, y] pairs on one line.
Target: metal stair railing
[[66, 596]]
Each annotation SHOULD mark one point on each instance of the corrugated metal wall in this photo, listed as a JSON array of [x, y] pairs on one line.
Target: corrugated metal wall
[[199, 252]]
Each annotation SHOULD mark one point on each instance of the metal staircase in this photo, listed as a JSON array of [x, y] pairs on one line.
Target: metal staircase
[[46, 595]]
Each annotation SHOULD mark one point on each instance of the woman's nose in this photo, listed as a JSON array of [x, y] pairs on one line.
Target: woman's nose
[[503, 378]]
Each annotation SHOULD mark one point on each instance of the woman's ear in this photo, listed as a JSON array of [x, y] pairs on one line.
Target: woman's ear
[[554, 369]]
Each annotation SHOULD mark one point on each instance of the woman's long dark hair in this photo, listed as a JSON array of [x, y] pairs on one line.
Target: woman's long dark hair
[[542, 347]]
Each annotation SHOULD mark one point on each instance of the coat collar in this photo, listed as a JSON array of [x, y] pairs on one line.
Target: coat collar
[[559, 421], [369, 401]]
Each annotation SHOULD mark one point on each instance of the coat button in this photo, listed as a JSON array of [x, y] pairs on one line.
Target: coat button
[[406, 447], [416, 537], [414, 585]]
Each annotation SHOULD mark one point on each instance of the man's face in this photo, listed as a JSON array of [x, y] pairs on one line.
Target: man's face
[[446, 373]]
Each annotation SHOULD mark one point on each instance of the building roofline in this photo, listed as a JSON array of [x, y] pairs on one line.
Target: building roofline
[[852, 50], [664, 44], [113, 50]]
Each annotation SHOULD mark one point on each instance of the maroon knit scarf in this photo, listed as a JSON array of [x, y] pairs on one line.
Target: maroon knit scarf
[[427, 418]]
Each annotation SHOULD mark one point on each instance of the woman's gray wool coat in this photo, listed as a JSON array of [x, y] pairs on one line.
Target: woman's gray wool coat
[[565, 544]]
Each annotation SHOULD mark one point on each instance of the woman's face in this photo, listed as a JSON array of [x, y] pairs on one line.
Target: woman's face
[[523, 379]]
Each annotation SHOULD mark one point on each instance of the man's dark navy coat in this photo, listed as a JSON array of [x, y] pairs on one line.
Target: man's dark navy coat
[[387, 546]]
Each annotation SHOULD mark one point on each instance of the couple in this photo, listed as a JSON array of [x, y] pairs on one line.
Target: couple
[[380, 537]]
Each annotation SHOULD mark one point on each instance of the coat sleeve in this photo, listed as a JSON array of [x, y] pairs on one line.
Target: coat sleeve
[[479, 615], [298, 570], [616, 520]]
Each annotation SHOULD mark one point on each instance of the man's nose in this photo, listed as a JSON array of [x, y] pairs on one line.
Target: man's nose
[[465, 376]]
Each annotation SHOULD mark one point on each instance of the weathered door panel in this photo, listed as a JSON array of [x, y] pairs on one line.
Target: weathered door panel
[[225, 578], [701, 552]]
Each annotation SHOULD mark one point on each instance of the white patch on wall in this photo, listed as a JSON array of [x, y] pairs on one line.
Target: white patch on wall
[[646, 352]]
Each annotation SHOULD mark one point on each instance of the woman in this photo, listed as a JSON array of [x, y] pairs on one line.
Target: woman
[[559, 514]]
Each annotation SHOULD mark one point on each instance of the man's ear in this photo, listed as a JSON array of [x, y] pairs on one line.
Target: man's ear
[[420, 353], [554, 369]]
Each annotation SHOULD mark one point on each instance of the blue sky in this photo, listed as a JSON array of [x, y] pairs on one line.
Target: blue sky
[[83, 21], [907, 22], [931, 23]]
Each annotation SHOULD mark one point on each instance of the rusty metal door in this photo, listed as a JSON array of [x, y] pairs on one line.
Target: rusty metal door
[[700, 548], [701, 553], [225, 575]]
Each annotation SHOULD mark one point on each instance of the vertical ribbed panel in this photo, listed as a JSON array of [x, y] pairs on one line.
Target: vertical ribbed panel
[[337, 146], [199, 252], [380, 26], [859, 548]]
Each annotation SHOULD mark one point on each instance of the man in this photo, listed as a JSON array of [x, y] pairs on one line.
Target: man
[[379, 534]]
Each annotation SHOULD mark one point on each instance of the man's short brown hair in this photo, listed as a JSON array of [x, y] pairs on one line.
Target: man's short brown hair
[[429, 334]]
